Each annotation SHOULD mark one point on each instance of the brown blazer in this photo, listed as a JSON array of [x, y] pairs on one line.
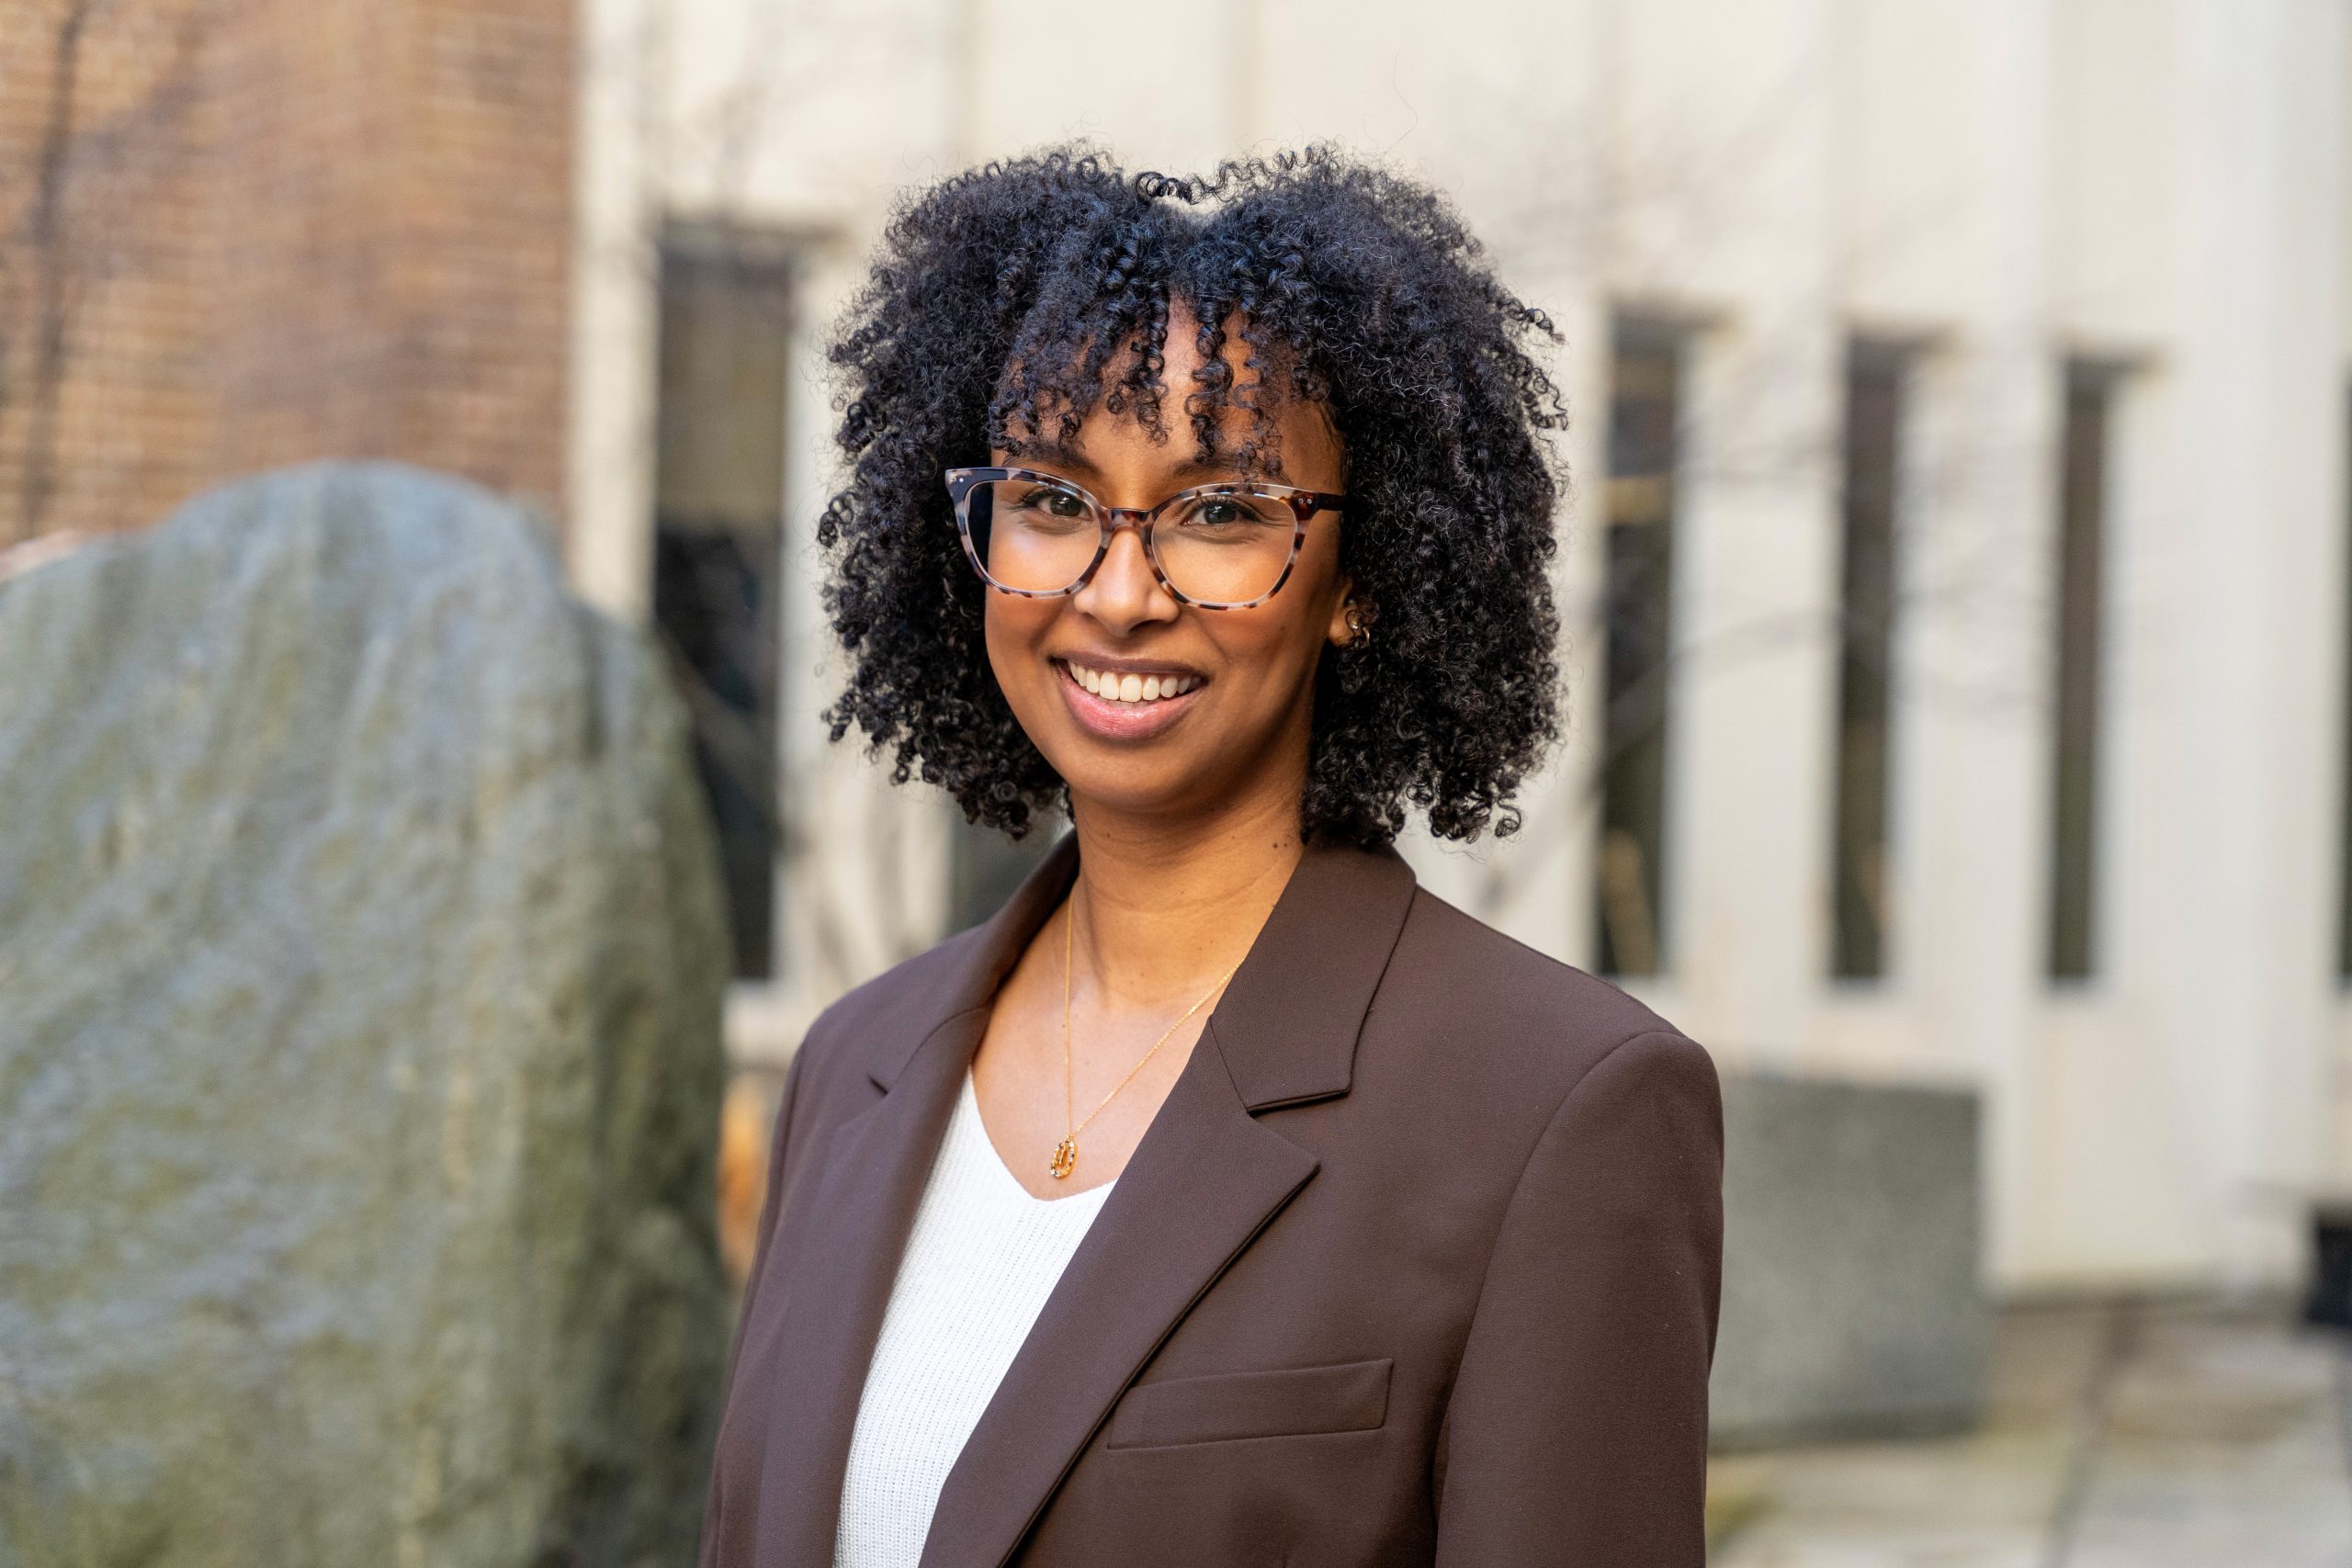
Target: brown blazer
[[1417, 1264]]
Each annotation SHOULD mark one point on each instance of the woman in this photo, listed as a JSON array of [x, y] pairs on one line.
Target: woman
[[1225, 1198]]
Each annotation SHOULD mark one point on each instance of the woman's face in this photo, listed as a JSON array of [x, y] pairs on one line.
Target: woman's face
[[1236, 731]]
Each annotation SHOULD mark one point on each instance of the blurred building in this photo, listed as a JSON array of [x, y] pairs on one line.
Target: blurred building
[[1958, 566], [235, 233]]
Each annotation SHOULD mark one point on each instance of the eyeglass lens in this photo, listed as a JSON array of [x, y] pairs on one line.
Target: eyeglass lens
[[1217, 550]]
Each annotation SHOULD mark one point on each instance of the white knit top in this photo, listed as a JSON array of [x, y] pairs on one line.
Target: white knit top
[[980, 1263]]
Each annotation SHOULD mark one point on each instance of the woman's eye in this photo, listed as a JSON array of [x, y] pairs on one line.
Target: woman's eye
[[1054, 503], [1214, 512]]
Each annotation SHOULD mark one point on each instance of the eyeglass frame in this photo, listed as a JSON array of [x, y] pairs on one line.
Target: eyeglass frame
[[1303, 506]]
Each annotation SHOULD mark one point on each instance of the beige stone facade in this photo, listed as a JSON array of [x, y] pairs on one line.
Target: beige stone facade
[[2106, 238]]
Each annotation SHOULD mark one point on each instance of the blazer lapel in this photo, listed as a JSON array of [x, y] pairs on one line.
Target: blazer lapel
[[1202, 1182], [1205, 1179], [841, 1283], [858, 1221]]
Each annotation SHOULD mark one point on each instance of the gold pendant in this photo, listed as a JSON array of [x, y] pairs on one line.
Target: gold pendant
[[1065, 1158]]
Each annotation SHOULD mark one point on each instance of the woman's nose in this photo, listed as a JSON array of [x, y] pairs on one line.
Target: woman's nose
[[1125, 593]]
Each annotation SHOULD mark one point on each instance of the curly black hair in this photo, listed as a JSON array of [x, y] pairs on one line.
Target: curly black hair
[[998, 302]]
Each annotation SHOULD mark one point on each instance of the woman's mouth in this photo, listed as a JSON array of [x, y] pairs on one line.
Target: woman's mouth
[[1124, 705]]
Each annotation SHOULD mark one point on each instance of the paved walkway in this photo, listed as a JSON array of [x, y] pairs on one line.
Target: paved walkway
[[2130, 1436]]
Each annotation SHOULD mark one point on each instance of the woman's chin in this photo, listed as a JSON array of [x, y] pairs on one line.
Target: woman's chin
[[1126, 796], [1170, 795]]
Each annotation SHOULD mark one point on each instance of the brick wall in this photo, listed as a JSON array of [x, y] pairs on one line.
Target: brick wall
[[277, 230]]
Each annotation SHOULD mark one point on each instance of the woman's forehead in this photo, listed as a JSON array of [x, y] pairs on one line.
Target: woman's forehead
[[1121, 445], [1122, 430], [1304, 448]]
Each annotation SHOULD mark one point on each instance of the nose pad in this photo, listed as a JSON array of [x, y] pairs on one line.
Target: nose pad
[[1128, 554], [1125, 589]]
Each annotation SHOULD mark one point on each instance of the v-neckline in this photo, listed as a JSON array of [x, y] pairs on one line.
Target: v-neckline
[[968, 1104]]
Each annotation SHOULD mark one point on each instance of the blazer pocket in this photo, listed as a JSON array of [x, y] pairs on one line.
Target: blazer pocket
[[1287, 1402]]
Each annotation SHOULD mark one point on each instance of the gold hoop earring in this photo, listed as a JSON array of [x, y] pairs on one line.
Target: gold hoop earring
[[1359, 629]]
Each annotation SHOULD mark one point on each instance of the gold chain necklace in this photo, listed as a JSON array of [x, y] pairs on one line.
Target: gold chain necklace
[[1065, 1152]]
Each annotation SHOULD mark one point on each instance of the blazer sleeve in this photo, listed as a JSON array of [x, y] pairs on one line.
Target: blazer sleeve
[[1576, 1433], [770, 1202]]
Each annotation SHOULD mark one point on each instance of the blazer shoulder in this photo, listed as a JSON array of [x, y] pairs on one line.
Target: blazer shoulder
[[914, 993], [1458, 978]]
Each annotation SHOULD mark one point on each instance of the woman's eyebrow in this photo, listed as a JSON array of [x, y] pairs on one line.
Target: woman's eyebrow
[[1063, 457], [1206, 469], [1195, 468]]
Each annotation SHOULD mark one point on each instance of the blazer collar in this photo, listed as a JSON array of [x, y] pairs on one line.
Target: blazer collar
[[1207, 1176], [1287, 1022]]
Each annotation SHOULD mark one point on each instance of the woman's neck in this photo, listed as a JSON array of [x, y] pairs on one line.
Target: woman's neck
[[1165, 909]]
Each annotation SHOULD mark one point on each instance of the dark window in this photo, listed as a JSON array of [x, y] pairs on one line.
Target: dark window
[[1645, 393], [1874, 386], [725, 320], [2082, 507]]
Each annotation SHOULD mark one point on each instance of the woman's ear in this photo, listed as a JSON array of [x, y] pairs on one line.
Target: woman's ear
[[1348, 616]]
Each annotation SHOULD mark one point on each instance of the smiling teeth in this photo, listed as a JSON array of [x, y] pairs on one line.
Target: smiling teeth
[[1132, 688]]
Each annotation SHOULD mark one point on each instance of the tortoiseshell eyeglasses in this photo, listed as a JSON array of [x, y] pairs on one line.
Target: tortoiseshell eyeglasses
[[1216, 546]]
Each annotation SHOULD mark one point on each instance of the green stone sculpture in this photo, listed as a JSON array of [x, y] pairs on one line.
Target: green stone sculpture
[[361, 961]]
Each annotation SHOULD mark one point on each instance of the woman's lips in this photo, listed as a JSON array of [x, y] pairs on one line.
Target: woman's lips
[[1117, 720]]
